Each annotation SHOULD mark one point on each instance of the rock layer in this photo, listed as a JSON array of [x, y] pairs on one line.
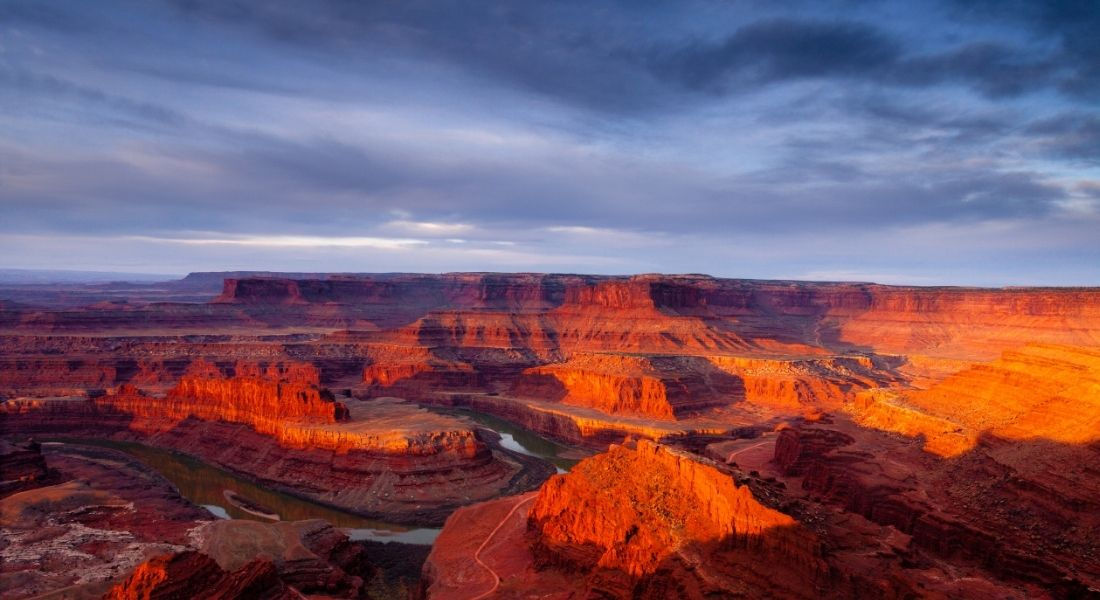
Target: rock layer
[[1035, 392], [191, 574], [637, 510], [664, 388], [382, 458]]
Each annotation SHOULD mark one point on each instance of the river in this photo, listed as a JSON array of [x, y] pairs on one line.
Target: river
[[206, 485], [519, 439]]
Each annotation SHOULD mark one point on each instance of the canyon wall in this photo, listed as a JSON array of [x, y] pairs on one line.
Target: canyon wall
[[1023, 513], [22, 467], [1034, 392], [636, 511], [651, 522], [664, 388], [379, 458], [191, 574], [918, 441]]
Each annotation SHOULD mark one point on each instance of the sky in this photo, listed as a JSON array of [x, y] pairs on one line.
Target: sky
[[953, 142]]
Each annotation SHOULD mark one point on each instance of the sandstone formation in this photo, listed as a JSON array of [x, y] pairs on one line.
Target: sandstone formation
[[664, 388], [1027, 514], [920, 442], [1034, 392], [380, 458], [107, 514], [626, 515], [651, 522], [310, 556], [193, 575], [22, 467]]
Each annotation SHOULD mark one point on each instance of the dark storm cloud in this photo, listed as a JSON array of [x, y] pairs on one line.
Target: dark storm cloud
[[993, 69], [606, 60], [782, 49], [567, 50], [1073, 23]]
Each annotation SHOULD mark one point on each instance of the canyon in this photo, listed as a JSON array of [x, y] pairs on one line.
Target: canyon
[[747, 438]]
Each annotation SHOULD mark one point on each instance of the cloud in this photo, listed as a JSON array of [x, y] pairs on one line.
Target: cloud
[[430, 228], [781, 49], [286, 241], [729, 137], [1074, 135], [24, 86], [790, 49]]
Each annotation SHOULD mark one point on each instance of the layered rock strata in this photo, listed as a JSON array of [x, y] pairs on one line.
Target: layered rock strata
[[107, 515], [650, 522], [664, 388], [1034, 392], [625, 516], [381, 458], [22, 467], [1024, 513], [191, 574]]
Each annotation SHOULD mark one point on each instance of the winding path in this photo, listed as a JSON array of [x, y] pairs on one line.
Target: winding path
[[477, 553]]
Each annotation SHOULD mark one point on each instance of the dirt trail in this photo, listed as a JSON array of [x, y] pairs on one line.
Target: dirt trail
[[489, 538]]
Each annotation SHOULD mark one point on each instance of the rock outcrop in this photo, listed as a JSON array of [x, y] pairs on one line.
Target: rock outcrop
[[1034, 392], [311, 556], [104, 515], [382, 458], [651, 522], [995, 506], [22, 467], [658, 387], [640, 520], [191, 574]]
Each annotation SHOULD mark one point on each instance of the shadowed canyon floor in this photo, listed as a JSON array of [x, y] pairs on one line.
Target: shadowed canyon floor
[[750, 438]]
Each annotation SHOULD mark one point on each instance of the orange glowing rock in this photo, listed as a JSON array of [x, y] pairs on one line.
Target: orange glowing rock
[[665, 387], [650, 509], [1036, 392]]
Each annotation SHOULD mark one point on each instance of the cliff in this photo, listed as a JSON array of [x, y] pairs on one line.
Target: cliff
[[659, 387], [312, 557], [391, 460], [1024, 512], [650, 522], [649, 512], [194, 575], [512, 291], [22, 467], [1035, 392], [806, 384]]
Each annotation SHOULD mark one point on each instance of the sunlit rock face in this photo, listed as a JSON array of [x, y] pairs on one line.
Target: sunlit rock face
[[632, 509], [646, 521], [656, 387], [384, 458], [1035, 392]]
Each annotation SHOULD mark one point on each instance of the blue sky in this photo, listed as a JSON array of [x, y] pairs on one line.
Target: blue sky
[[954, 142]]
